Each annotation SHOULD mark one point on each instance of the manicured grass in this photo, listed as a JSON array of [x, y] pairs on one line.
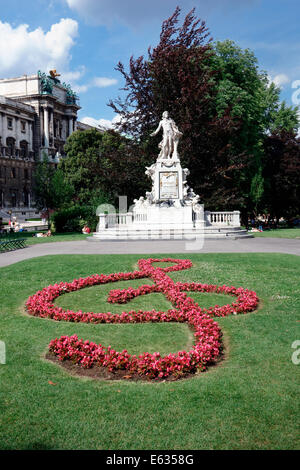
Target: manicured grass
[[279, 233], [57, 237], [248, 401]]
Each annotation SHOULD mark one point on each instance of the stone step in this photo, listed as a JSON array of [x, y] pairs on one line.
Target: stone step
[[129, 234]]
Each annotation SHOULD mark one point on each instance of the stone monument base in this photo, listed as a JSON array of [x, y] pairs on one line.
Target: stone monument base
[[170, 211]]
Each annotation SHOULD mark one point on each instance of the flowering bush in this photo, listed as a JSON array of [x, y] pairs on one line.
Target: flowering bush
[[206, 331]]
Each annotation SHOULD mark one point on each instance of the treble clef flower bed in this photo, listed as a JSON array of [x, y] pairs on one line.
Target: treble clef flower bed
[[207, 333]]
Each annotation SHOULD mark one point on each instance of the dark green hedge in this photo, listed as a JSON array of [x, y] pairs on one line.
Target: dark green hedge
[[74, 218]]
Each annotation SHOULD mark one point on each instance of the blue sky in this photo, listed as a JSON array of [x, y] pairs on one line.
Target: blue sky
[[85, 39]]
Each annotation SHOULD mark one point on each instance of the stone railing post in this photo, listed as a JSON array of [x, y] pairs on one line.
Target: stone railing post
[[102, 222], [129, 218], [207, 219], [236, 219]]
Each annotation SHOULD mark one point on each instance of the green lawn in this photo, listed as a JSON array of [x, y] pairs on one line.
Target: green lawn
[[249, 401], [279, 233], [57, 237]]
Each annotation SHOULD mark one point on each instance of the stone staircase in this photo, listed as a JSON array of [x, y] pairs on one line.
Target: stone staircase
[[211, 232]]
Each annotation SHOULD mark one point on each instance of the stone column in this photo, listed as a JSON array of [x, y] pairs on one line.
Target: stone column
[[17, 133], [52, 126], [46, 127], [70, 125], [30, 135], [75, 125]]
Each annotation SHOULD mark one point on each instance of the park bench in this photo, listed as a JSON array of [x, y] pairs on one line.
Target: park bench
[[11, 244]]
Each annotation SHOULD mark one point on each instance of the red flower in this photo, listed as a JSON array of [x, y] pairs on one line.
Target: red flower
[[207, 332]]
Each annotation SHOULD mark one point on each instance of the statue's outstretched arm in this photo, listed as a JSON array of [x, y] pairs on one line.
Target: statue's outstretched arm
[[156, 131]]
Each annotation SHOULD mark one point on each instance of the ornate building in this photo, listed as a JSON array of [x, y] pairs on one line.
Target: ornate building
[[37, 115]]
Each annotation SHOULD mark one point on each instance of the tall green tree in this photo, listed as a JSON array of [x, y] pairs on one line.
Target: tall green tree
[[282, 175], [177, 76], [103, 166], [51, 190], [221, 101], [256, 102]]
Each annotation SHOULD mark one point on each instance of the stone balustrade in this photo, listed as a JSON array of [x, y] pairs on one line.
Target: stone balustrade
[[222, 218], [15, 153], [114, 220]]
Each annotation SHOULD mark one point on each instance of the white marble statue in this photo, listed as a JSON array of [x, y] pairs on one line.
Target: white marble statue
[[171, 135]]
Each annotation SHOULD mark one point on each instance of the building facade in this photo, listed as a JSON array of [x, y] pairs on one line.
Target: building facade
[[37, 115]]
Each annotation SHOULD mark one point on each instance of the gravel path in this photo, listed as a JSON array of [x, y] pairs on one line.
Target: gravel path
[[248, 245]]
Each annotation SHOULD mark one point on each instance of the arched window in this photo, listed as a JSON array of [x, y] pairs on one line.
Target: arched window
[[13, 199], [23, 148], [10, 144], [26, 197]]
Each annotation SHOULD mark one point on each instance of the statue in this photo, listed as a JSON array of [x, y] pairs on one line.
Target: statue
[[54, 74], [171, 135]]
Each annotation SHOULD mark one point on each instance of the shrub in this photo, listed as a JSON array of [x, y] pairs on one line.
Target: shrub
[[72, 219]]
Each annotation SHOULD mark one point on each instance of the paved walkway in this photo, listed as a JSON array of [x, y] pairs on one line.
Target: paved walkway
[[248, 245]]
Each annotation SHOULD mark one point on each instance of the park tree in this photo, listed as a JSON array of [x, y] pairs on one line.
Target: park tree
[[51, 190], [281, 173], [256, 103], [220, 100], [102, 166], [177, 76]]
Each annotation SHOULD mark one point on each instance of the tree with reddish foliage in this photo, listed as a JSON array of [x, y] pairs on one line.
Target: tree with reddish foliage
[[281, 174], [177, 77]]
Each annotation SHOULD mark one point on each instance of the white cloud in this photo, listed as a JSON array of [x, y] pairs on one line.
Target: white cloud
[[96, 82], [73, 75], [103, 123], [24, 51], [72, 78], [103, 82], [80, 88], [279, 80]]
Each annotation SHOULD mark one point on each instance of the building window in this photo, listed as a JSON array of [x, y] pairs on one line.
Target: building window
[[23, 126], [26, 174], [13, 199], [23, 148], [26, 198], [10, 143], [9, 123]]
